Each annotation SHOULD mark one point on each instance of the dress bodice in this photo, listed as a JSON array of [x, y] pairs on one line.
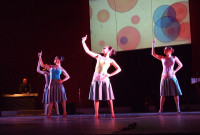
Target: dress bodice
[[102, 65], [168, 65], [56, 73]]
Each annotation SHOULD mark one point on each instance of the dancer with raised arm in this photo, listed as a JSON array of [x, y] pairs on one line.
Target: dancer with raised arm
[[101, 88], [47, 80], [169, 85], [56, 91]]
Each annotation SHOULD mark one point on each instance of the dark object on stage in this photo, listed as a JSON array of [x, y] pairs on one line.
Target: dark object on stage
[[19, 101]]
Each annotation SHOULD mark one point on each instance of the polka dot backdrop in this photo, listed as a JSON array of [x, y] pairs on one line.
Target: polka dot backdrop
[[134, 24]]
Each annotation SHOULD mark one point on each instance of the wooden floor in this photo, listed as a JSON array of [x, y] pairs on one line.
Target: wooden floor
[[132, 123]]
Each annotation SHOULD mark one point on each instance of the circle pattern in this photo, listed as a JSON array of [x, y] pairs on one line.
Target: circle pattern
[[169, 25], [103, 15], [185, 31], [122, 5], [128, 38], [181, 11], [135, 19], [102, 43]]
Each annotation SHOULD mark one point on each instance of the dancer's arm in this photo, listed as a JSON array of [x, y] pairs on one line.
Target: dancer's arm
[[92, 54], [154, 53], [41, 62], [66, 75], [38, 69], [180, 65], [50, 79], [117, 67]]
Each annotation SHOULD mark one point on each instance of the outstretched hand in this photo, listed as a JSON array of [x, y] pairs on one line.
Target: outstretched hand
[[154, 41], [40, 54], [84, 38]]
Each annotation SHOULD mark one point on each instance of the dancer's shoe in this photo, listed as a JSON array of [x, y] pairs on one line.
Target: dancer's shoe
[[113, 115], [64, 115], [96, 116], [160, 111], [48, 115]]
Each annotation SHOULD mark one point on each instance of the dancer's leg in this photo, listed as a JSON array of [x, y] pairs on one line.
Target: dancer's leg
[[110, 103], [176, 99], [50, 108], [64, 108], [46, 109], [96, 108], [162, 101], [57, 108]]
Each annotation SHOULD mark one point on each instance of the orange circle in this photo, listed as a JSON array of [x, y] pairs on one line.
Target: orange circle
[[103, 15], [122, 5]]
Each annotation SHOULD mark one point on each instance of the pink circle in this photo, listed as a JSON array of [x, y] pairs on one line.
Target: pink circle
[[135, 19], [181, 11], [103, 15], [128, 38], [170, 31], [122, 5], [185, 31], [101, 43]]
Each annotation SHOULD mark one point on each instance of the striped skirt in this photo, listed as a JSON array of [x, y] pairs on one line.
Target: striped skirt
[[56, 93], [170, 87], [101, 88]]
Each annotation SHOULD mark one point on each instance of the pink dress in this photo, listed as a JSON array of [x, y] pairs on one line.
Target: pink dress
[[169, 85]]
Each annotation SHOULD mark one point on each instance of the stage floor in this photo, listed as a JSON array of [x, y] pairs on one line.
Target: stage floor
[[132, 123]]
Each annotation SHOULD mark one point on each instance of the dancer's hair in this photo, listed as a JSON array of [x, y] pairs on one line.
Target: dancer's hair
[[61, 58], [113, 52], [170, 48]]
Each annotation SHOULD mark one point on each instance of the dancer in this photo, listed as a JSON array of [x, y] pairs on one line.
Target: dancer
[[44, 99], [56, 91], [169, 85], [101, 88]]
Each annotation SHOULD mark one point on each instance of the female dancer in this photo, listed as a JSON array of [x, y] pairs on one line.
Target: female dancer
[[169, 85], [47, 80], [101, 88], [56, 91]]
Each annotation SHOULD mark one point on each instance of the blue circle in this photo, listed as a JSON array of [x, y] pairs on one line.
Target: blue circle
[[167, 34], [123, 40], [164, 11], [165, 22]]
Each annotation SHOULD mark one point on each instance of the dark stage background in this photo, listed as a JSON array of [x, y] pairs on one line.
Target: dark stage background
[[56, 28]]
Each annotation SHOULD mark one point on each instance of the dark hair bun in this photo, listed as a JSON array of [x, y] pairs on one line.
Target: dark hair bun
[[61, 58], [113, 52], [170, 48]]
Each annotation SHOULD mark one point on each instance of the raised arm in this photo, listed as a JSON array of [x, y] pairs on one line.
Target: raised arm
[[38, 69], [66, 75], [117, 67], [180, 65], [153, 51], [41, 62], [92, 54]]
